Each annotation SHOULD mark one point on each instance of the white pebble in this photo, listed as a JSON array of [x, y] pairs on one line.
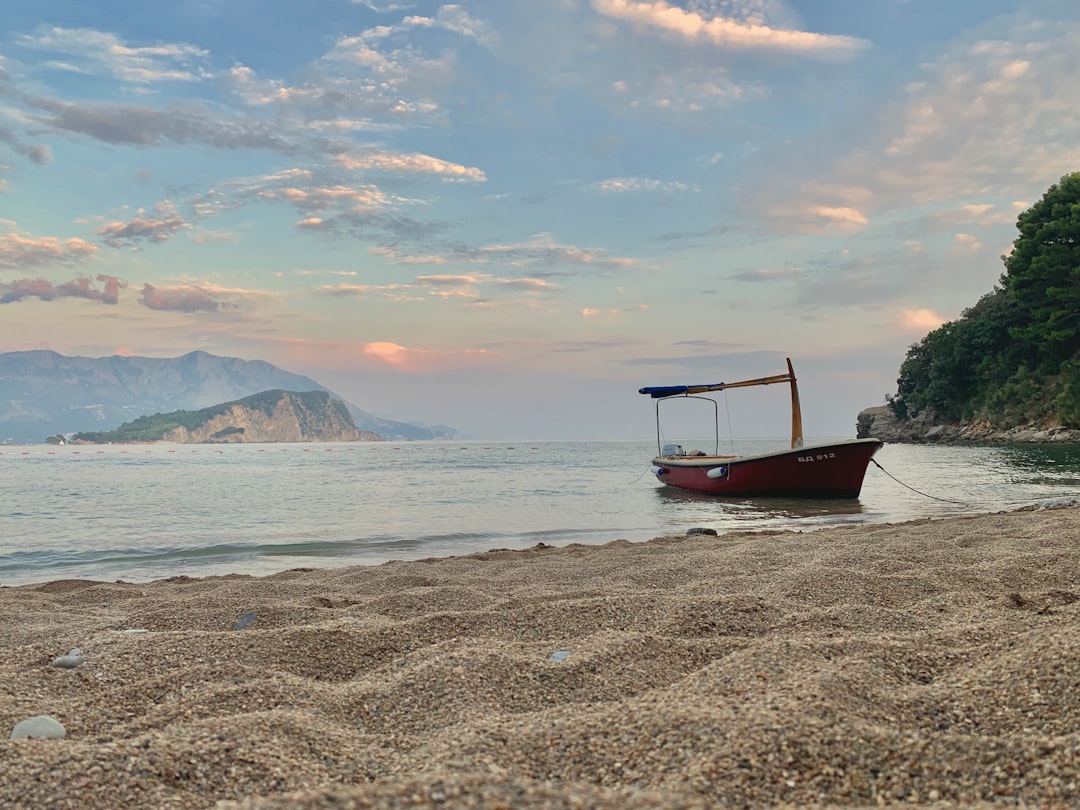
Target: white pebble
[[70, 661], [41, 726]]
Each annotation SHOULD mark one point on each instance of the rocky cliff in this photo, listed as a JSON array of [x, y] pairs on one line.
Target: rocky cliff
[[880, 423], [290, 417], [270, 416]]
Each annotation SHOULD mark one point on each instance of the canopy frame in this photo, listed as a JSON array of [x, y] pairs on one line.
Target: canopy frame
[[691, 391]]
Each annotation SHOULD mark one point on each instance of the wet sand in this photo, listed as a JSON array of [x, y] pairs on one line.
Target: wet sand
[[934, 662]]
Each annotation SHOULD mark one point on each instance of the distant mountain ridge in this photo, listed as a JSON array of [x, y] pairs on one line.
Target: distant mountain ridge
[[271, 416], [43, 393]]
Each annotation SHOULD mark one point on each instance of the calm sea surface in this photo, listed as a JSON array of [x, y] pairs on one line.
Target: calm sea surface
[[146, 512]]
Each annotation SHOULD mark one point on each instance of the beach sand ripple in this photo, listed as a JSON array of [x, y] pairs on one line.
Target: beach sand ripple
[[934, 662]]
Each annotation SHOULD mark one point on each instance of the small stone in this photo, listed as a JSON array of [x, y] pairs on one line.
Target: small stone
[[559, 655], [70, 661], [42, 726], [245, 620], [701, 530]]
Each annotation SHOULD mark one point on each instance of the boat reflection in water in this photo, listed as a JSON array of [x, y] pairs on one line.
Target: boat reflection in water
[[684, 509]]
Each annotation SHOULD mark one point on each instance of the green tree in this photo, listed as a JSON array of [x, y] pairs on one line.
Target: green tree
[[952, 369], [1014, 357], [1043, 274]]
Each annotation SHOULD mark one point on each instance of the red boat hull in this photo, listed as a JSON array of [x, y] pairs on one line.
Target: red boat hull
[[824, 471]]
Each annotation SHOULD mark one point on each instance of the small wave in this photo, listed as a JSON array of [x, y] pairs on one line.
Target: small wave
[[100, 559]]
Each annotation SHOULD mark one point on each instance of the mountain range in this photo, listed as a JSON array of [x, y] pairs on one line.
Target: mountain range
[[43, 393]]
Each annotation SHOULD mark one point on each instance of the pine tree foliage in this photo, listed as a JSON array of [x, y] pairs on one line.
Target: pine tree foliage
[[1014, 357]]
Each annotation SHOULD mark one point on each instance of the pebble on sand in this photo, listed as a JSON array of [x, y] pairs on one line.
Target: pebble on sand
[[42, 726], [73, 659]]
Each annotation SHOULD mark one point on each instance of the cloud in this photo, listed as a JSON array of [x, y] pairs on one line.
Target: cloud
[[695, 27], [38, 153], [542, 249], [843, 218], [209, 237], [400, 163], [126, 124], [917, 321], [448, 285], [79, 287], [27, 288], [445, 286], [179, 299], [333, 209], [451, 286], [992, 119], [455, 19], [997, 115], [769, 274], [383, 9], [611, 312], [323, 203], [379, 355], [333, 100], [95, 52], [18, 251], [402, 80], [816, 218], [357, 290], [527, 284], [144, 228], [350, 198], [417, 361], [966, 242], [624, 185]]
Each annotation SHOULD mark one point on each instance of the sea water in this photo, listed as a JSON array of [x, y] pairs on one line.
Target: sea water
[[143, 512]]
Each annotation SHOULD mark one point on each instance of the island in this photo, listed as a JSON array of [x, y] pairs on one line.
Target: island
[[269, 416]]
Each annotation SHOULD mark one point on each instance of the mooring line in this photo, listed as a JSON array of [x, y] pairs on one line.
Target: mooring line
[[917, 491]]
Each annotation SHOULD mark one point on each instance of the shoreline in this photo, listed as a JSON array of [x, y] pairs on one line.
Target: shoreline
[[933, 662], [880, 423]]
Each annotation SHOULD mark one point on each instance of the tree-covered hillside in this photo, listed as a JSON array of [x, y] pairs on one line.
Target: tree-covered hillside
[[1014, 357], [153, 428]]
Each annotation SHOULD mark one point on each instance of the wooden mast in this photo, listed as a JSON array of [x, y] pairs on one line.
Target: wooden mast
[[796, 410]]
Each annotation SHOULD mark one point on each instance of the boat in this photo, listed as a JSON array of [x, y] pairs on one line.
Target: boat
[[832, 470]]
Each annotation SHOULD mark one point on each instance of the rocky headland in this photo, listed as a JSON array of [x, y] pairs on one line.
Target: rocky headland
[[272, 416], [879, 422], [313, 417]]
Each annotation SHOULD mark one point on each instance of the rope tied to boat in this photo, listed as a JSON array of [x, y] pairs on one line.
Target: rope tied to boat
[[908, 486]]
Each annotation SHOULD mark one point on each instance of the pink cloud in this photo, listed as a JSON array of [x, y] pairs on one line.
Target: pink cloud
[[178, 299], [79, 287], [692, 25], [23, 251], [917, 321]]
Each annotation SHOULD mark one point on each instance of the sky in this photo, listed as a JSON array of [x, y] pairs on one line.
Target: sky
[[507, 216]]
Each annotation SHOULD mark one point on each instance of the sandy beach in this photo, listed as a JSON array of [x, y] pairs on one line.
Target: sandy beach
[[933, 663]]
